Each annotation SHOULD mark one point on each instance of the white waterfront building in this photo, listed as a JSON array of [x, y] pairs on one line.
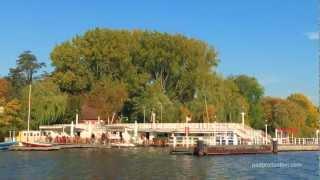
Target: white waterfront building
[[177, 133]]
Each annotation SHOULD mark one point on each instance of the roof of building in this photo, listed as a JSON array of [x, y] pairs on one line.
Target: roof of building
[[88, 113]]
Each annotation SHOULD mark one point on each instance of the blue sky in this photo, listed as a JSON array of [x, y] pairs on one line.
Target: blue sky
[[271, 39]]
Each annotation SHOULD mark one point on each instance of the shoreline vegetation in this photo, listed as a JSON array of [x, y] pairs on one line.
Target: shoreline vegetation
[[124, 75]]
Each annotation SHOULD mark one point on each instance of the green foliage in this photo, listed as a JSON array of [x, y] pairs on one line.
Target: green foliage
[[73, 107], [309, 108], [252, 91], [289, 113], [107, 97], [249, 87], [224, 101], [4, 90], [24, 72], [48, 104], [10, 119], [28, 65], [134, 73], [140, 59], [152, 100]]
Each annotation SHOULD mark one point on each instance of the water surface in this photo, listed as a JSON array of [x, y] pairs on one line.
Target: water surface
[[155, 163]]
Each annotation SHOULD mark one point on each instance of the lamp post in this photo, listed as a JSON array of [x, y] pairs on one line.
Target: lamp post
[[1, 109], [266, 125], [153, 117], [77, 117], [206, 104], [188, 118], [317, 135], [160, 112], [144, 114], [242, 118]]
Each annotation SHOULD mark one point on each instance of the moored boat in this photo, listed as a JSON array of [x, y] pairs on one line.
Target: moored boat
[[6, 145], [122, 145], [35, 144]]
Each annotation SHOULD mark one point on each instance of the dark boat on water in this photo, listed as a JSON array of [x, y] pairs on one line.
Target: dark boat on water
[[9, 141], [6, 145]]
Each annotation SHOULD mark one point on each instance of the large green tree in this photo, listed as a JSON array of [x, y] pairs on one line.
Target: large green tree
[[283, 113], [309, 108], [139, 59], [27, 67], [250, 88]]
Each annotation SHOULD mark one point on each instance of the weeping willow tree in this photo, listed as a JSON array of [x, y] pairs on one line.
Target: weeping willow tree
[[48, 103]]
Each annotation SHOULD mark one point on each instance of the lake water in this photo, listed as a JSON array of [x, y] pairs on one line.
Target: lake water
[[155, 163]]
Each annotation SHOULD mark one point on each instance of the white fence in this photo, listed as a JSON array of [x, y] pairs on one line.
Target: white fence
[[299, 141]]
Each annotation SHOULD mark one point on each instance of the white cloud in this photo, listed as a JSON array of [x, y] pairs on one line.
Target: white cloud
[[312, 35]]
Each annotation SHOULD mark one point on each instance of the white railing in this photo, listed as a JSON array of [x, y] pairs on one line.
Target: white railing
[[299, 141], [184, 141]]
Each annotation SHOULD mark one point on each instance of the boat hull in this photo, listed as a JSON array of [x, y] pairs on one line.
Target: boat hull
[[6, 145], [29, 144], [124, 145]]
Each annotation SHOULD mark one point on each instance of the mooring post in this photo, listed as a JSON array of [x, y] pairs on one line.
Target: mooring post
[[200, 148], [274, 145]]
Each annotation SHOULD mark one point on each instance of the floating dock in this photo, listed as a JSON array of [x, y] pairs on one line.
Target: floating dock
[[201, 149], [223, 150], [240, 149], [24, 148], [58, 147], [76, 146], [182, 151], [295, 147]]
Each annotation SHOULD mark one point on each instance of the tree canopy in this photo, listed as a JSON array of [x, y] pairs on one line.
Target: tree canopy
[[134, 73], [151, 65], [48, 103], [291, 113]]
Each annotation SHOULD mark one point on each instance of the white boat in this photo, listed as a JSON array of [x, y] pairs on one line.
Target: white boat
[[122, 145]]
